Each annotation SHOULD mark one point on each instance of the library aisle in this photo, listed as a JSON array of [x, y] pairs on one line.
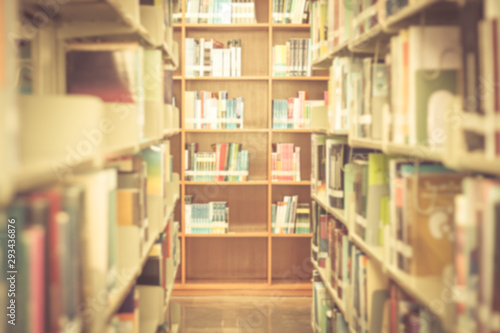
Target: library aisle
[[250, 166]]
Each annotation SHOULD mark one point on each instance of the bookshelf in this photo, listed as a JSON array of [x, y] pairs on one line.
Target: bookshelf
[[437, 296], [249, 259], [66, 153]]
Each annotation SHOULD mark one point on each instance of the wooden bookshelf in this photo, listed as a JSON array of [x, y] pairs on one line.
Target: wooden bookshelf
[[426, 291], [205, 271]]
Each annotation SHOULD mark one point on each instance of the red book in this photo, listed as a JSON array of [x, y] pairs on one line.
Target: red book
[[34, 240], [290, 113], [53, 197], [222, 159]]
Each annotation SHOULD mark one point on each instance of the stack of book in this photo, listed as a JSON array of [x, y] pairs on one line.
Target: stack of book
[[293, 58], [290, 217], [295, 12], [227, 162], [210, 218], [220, 11], [294, 112], [319, 26], [211, 58], [285, 162], [477, 212], [212, 110]]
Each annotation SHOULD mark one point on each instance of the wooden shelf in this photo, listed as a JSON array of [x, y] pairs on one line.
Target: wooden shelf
[[328, 286], [229, 235], [230, 27], [367, 42], [118, 294], [478, 162], [247, 183], [375, 253], [291, 26], [291, 130], [339, 214], [291, 235], [365, 143], [242, 130], [226, 78], [300, 78], [421, 152], [303, 182], [325, 61]]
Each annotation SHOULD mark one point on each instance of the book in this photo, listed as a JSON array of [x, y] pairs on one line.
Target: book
[[337, 156]]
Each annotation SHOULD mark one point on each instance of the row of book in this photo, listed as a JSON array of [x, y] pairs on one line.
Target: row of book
[[369, 301], [212, 110], [289, 11], [75, 240], [226, 162], [205, 57], [209, 218], [220, 11], [285, 162], [419, 215], [293, 58], [294, 112], [290, 217]]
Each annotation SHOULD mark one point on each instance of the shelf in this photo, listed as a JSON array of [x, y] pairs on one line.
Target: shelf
[[170, 132], [367, 42], [425, 290], [291, 130], [230, 27], [328, 132], [401, 18], [118, 294], [374, 252], [222, 130], [421, 152], [291, 235], [224, 284], [365, 143], [300, 78], [291, 26], [478, 162], [339, 214], [227, 78], [325, 61], [247, 183], [177, 77], [169, 55], [328, 286], [302, 182], [228, 235]]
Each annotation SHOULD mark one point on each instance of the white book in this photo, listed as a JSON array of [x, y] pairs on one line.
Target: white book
[[238, 61], [430, 48], [190, 57]]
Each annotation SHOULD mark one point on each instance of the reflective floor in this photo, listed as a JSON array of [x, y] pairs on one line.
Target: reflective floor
[[245, 314]]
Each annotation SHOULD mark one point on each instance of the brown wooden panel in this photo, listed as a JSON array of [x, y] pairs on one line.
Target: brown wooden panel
[[262, 11], [286, 89], [226, 258], [303, 140], [178, 96], [247, 204], [291, 260], [178, 39], [254, 51], [176, 152], [255, 143], [303, 191]]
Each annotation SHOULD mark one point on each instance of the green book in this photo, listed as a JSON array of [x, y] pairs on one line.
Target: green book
[[434, 92], [378, 191]]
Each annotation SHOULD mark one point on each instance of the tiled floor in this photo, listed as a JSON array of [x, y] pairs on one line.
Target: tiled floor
[[245, 314]]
